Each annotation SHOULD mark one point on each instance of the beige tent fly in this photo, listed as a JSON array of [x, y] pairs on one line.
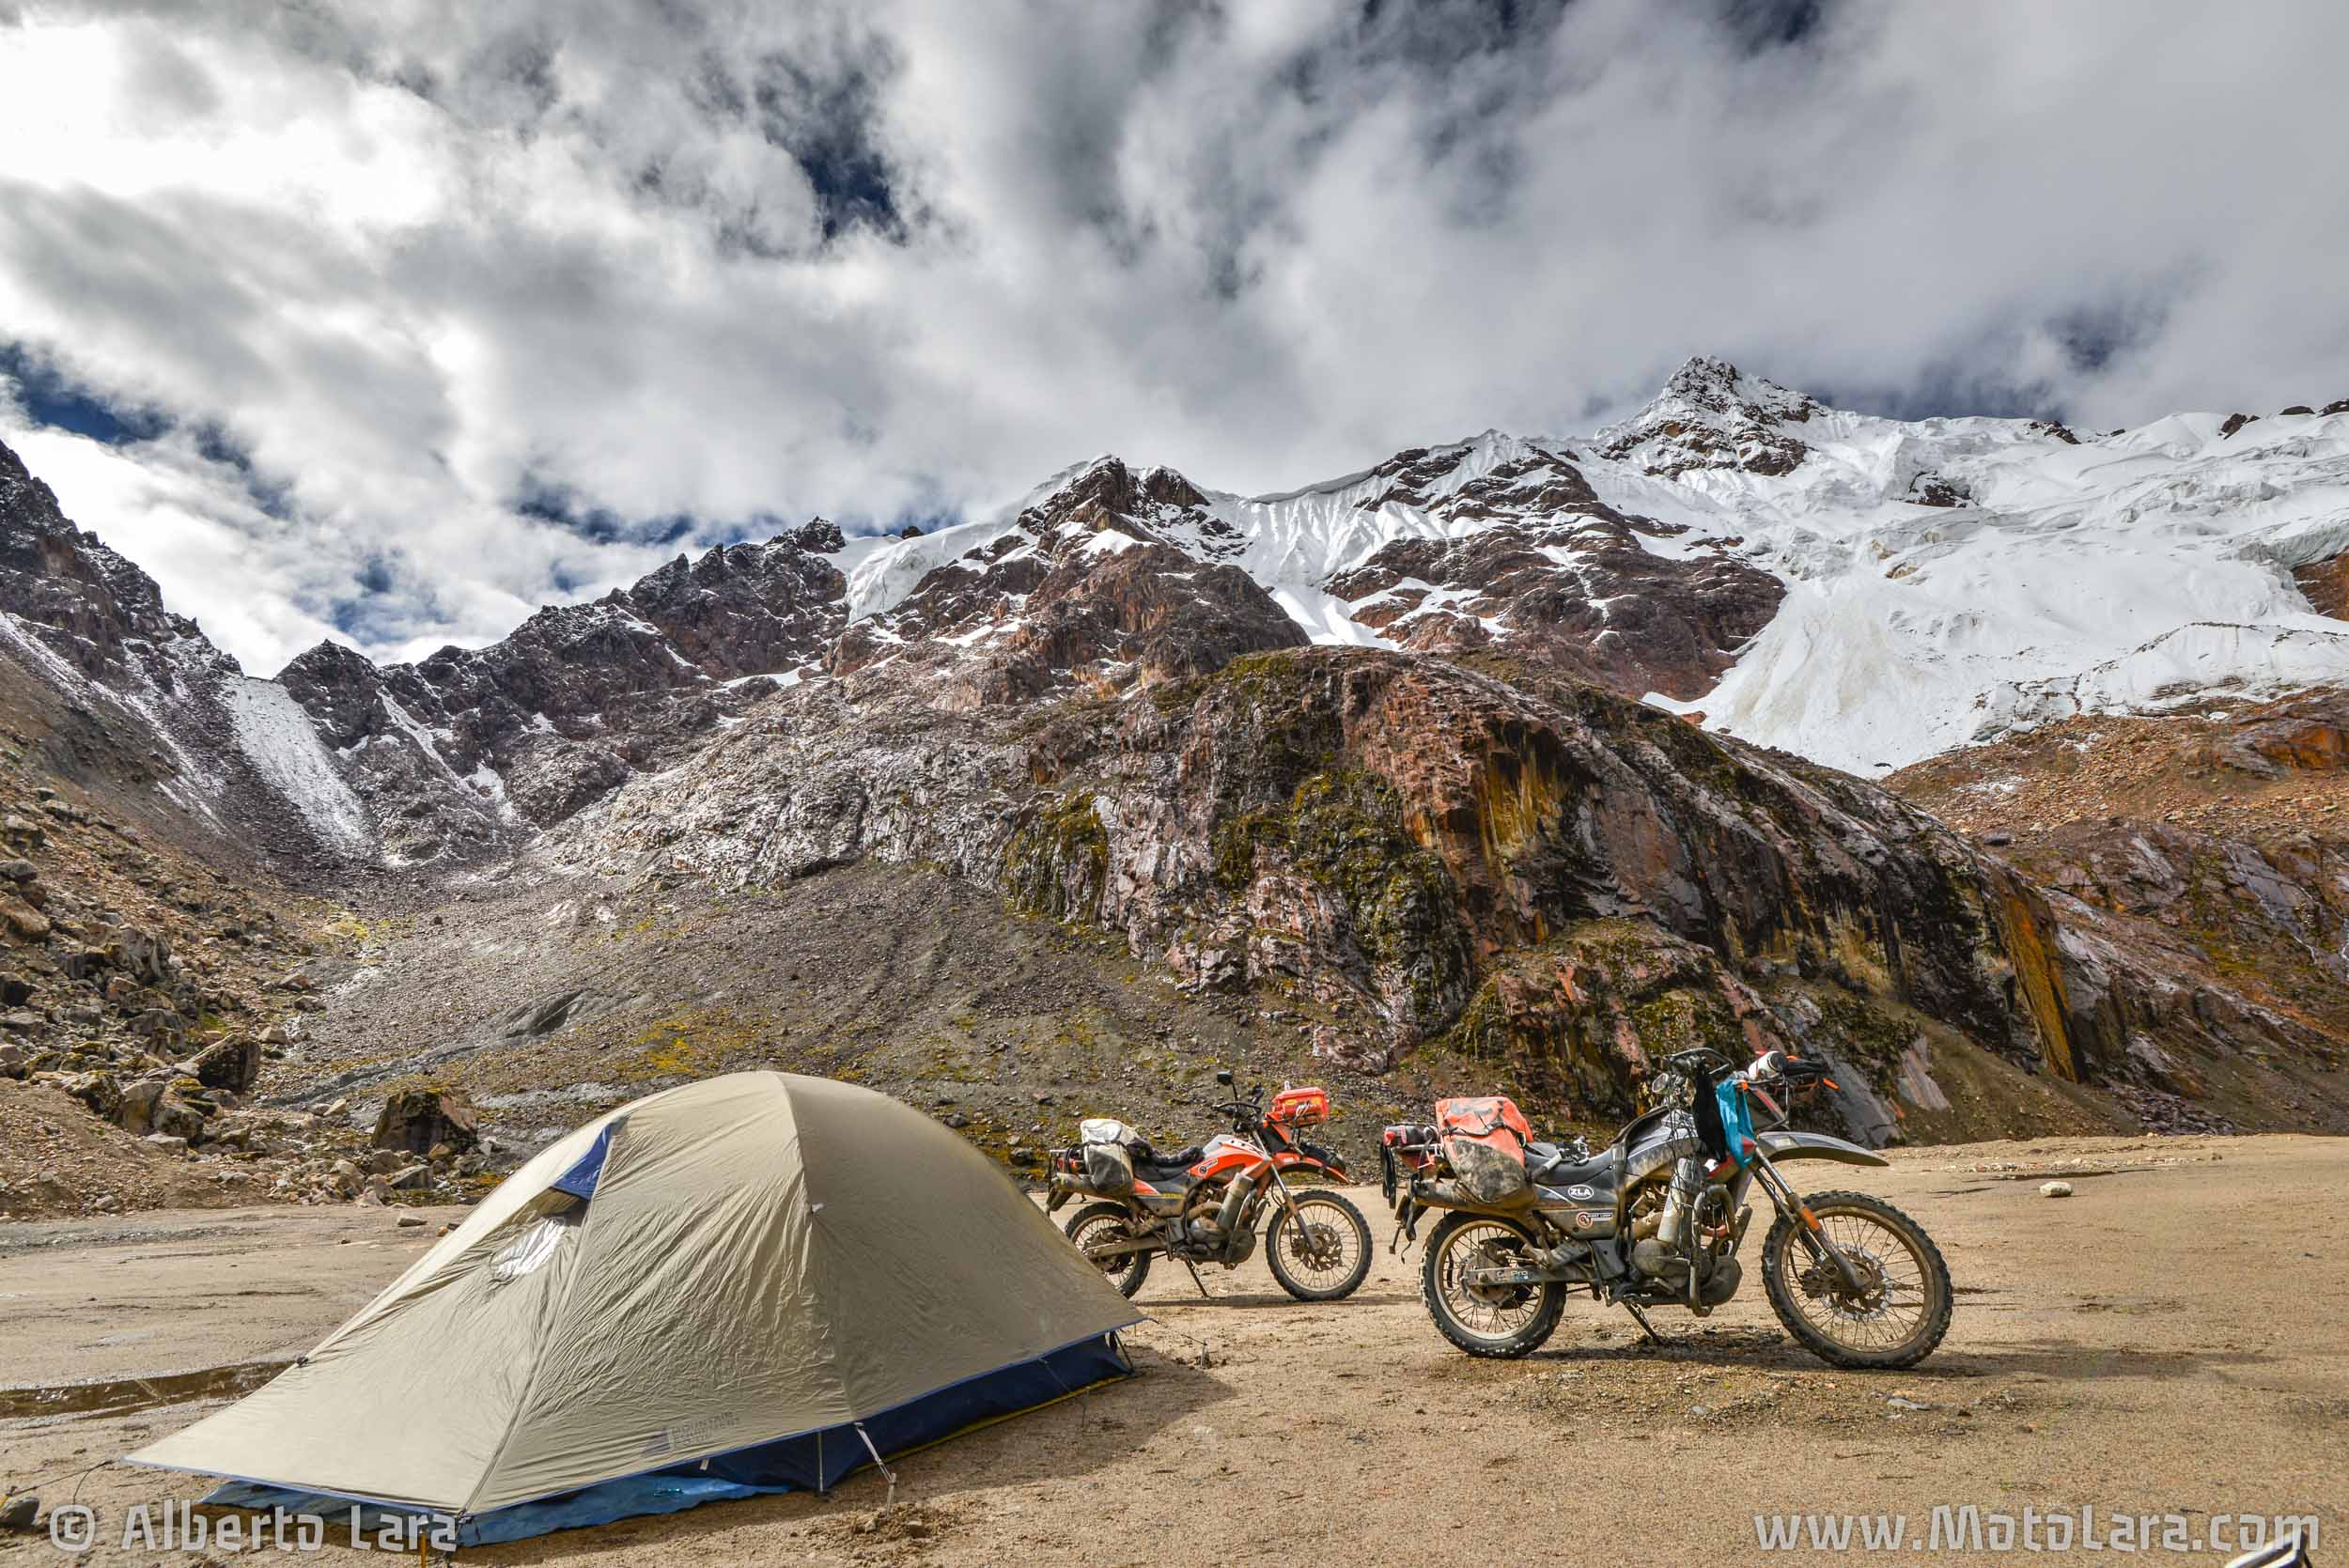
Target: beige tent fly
[[747, 1284]]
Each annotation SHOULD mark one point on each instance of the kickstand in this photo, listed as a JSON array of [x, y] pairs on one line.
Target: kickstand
[[1195, 1280], [1646, 1326]]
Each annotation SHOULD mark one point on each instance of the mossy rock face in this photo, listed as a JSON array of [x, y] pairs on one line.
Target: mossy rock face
[[1278, 728], [1057, 862], [1343, 833], [1576, 1023]]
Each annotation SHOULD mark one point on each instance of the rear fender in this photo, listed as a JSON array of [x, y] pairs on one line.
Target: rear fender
[[1782, 1146], [1445, 1193]]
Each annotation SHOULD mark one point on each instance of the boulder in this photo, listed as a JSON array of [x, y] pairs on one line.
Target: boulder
[[23, 832], [131, 996], [416, 1119], [21, 921], [159, 1024], [141, 954], [344, 1178], [136, 1109], [99, 1089], [171, 1105], [233, 1063], [18, 869]]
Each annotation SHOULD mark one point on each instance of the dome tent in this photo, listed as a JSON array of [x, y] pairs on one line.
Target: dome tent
[[748, 1283]]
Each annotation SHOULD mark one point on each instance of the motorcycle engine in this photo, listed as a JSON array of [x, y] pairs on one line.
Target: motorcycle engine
[[1719, 1273], [1203, 1241]]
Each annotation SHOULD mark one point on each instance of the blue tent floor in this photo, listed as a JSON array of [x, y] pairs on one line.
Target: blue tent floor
[[806, 1461]]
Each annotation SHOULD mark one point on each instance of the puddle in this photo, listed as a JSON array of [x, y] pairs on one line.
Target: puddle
[[138, 1393]]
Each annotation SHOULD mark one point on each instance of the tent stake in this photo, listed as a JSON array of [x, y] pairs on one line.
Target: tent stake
[[891, 1501]]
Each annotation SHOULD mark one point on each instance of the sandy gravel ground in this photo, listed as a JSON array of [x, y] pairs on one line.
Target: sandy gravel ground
[[2173, 1338]]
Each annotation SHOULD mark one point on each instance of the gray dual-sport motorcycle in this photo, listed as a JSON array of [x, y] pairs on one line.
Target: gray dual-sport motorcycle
[[1658, 1217]]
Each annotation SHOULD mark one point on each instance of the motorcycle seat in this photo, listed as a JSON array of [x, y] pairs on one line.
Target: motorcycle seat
[[1549, 1165], [1169, 1174]]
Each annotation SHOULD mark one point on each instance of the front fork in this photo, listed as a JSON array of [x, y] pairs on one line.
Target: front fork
[[1807, 1227], [1241, 1204], [1285, 1201]]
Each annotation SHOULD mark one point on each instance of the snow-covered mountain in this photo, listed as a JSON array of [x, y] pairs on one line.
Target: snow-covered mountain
[[1876, 591], [1866, 592], [1950, 580]]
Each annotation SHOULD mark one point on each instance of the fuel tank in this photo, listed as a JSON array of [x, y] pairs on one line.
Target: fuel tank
[[1657, 1144]]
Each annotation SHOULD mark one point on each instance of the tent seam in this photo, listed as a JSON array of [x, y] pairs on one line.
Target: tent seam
[[537, 1365]]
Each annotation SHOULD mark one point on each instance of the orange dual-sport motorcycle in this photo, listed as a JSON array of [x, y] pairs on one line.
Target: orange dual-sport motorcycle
[[1203, 1204]]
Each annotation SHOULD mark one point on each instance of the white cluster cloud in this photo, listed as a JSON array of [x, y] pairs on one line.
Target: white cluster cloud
[[411, 262]]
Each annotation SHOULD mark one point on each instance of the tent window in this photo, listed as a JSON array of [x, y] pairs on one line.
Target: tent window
[[534, 1246]]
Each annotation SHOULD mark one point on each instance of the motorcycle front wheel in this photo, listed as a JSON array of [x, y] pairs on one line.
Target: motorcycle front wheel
[[1503, 1323], [1325, 1254], [1902, 1306], [1104, 1225]]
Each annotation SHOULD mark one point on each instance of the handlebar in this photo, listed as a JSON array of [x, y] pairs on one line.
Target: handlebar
[[1243, 1112]]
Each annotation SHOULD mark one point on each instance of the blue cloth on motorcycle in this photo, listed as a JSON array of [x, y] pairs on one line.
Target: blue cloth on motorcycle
[[1736, 1120]]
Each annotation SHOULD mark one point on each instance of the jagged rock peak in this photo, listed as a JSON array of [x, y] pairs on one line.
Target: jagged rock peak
[[89, 603], [1711, 415], [1717, 385], [818, 537], [1108, 491]]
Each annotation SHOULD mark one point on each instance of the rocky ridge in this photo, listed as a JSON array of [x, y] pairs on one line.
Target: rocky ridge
[[151, 999], [1443, 842], [1410, 855]]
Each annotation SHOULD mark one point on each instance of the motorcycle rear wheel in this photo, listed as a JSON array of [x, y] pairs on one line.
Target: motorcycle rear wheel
[[1109, 1222], [1898, 1322], [1501, 1328], [1313, 1265]]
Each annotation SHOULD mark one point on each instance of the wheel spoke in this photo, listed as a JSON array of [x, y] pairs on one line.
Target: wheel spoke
[[1894, 1301]]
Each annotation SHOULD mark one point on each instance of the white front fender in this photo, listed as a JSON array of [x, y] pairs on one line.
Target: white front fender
[[1815, 1146]]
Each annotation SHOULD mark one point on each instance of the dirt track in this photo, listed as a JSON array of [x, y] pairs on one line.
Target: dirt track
[[2174, 1338]]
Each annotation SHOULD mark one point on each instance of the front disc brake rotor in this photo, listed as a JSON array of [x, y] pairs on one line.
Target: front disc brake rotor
[[1313, 1243], [1824, 1282]]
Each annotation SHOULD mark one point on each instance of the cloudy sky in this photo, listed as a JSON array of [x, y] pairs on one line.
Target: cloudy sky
[[390, 320]]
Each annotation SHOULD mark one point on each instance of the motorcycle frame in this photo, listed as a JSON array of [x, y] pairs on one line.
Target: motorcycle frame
[[1250, 1165], [1734, 1181]]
